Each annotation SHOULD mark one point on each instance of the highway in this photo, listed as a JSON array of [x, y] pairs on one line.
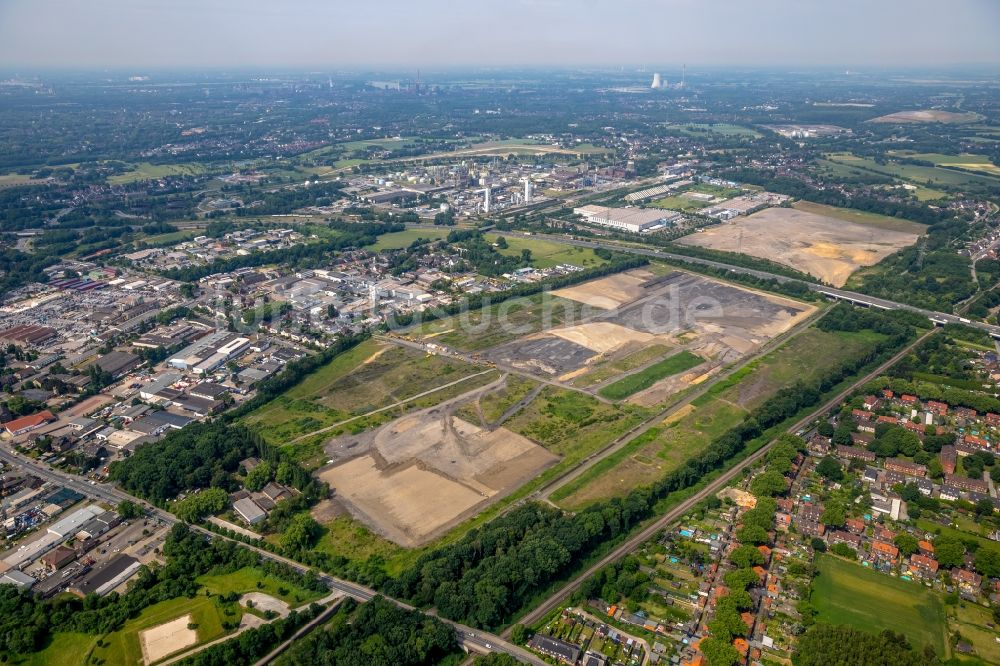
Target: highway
[[713, 487]]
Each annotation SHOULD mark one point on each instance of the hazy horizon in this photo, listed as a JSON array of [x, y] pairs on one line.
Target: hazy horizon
[[388, 34]]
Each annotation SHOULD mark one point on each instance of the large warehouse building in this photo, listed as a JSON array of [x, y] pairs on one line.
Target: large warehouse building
[[627, 219]]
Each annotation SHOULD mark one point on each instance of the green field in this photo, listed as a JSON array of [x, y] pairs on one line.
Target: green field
[[147, 171], [476, 330], [861, 217], [65, 648], [965, 161], [252, 579], [802, 358], [573, 425], [642, 380], [649, 457], [495, 403], [545, 254], [122, 648], [345, 537], [372, 375], [847, 593], [976, 625], [915, 174], [725, 129], [691, 428], [607, 369], [17, 179], [402, 239]]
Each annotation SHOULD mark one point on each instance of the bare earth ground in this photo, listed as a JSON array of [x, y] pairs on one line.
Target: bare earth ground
[[602, 336], [418, 476], [608, 292], [926, 116], [166, 638], [826, 247], [265, 602], [718, 321]]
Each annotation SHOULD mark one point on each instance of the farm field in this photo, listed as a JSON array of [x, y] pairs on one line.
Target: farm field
[[828, 247], [639, 381], [847, 593], [546, 254], [690, 429], [965, 161], [147, 171], [17, 180], [838, 169], [915, 174], [398, 240], [370, 376]]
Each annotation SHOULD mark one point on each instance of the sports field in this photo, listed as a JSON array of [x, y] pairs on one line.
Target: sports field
[[846, 593], [124, 647]]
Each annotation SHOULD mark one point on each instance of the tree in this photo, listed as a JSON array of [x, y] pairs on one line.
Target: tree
[[187, 290], [829, 468], [768, 484], [301, 533], [752, 534], [984, 507], [520, 634], [988, 562], [128, 510], [259, 476], [331, 311], [818, 545], [718, 653], [842, 434], [209, 501], [501, 243], [907, 543], [843, 550], [825, 644], [834, 515], [746, 556], [949, 551]]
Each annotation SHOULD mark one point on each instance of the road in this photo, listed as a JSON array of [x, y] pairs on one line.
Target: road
[[471, 639], [713, 487]]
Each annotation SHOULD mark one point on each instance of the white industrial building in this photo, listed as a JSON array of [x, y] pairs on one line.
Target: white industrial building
[[635, 220]]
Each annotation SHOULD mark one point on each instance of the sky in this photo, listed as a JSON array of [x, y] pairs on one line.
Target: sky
[[351, 34]]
